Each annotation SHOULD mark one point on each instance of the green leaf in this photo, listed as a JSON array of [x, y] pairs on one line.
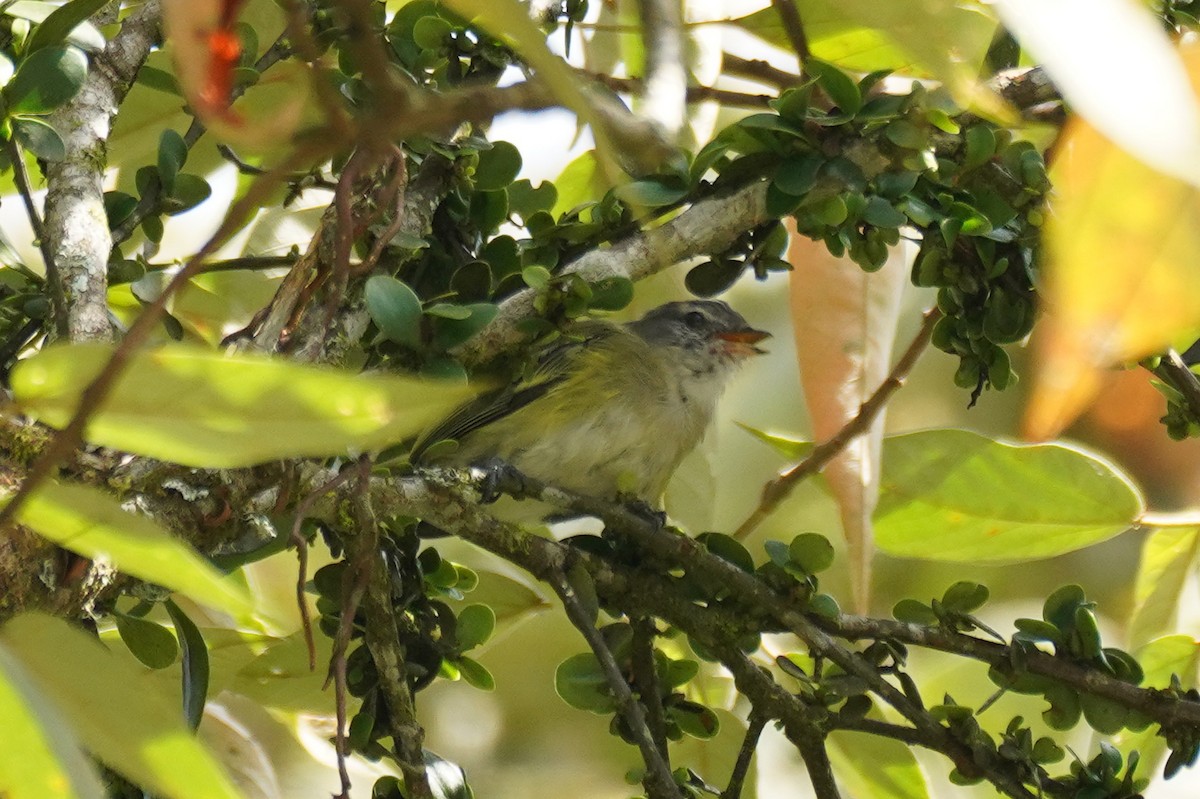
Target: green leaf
[[40, 138], [45, 80], [965, 597], [120, 717], [580, 682], [186, 193], [1168, 558], [395, 309], [791, 448], [881, 213], [812, 552], [172, 154], [729, 549], [69, 20], [93, 524], [475, 625], [869, 765], [914, 612], [958, 496], [796, 176], [192, 406], [694, 719], [195, 671], [149, 641], [611, 293], [650, 193], [840, 87], [450, 333], [475, 673], [40, 759], [497, 167]]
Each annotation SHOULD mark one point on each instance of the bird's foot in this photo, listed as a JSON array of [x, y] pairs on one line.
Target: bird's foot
[[644, 510], [498, 478]]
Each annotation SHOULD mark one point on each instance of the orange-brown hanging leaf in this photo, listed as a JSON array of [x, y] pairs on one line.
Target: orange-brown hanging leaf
[[1120, 277], [844, 321]]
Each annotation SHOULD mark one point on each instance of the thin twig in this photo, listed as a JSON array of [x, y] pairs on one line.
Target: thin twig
[[58, 300], [793, 28], [741, 768], [760, 71], [302, 556], [645, 678], [778, 489], [658, 782]]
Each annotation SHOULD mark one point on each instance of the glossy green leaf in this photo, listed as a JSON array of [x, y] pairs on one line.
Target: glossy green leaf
[[40, 138], [172, 154], [1168, 558], [475, 626], [450, 333], [812, 552], [580, 682], [475, 674], [187, 191], [91, 523], [395, 309], [497, 167], [120, 717], [192, 406], [447, 780], [959, 496], [45, 80], [869, 765], [41, 758], [195, 672], [149, 641], [69, 22], [650, 193], [840, 87]]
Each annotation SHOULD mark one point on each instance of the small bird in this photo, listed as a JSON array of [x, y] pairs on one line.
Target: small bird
[[611, 410]]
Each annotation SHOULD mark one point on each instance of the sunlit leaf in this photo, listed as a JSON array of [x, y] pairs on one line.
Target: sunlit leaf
[[1168, 558], [199, 408], [118, 716], [88, 521], [40, 758], [870, 765], [45, 80], [195, 672], [1158, 118], [68, 22], [959, 496]]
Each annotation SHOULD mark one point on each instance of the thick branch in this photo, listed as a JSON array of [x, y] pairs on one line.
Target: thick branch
[[76, 224]]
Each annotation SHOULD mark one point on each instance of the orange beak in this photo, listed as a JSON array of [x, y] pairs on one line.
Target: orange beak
[[741, 342]]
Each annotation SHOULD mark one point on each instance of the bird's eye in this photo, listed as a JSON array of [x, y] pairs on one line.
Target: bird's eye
[[694, 319]]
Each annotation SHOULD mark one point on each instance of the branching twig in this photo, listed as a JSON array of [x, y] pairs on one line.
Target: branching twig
[[659, 782], [783, 485], [741, 768]]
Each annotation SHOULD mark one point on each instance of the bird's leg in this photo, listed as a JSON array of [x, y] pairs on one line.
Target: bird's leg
[[644, 510], [498, 477]]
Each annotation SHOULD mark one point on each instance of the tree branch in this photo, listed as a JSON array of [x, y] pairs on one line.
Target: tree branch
[[76, 224], [666, 79]]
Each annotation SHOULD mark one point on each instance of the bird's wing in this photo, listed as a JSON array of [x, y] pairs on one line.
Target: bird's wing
[[554, 368]]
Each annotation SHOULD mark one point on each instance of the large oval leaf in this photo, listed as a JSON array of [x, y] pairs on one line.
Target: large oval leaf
[[40, 758], [117, 714], [958, 496], [193, 406], [87, 521]]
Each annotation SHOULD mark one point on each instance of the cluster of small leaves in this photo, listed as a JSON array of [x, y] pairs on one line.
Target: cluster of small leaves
[[952, 612], [581, 682], [859, 173], [1179, 15], [1069, 625], [1183, 740], [433, 637], [1181, 419], [1102, 777]]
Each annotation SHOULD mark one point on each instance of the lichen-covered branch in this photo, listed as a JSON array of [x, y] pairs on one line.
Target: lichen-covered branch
[[76, 224]]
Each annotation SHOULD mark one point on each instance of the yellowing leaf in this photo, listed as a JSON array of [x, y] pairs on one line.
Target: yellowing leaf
[[93, 524], [115, 712], [1120, 278], [193, 406]]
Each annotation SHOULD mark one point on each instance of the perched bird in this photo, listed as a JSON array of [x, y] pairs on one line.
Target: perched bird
[[611, 410]]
